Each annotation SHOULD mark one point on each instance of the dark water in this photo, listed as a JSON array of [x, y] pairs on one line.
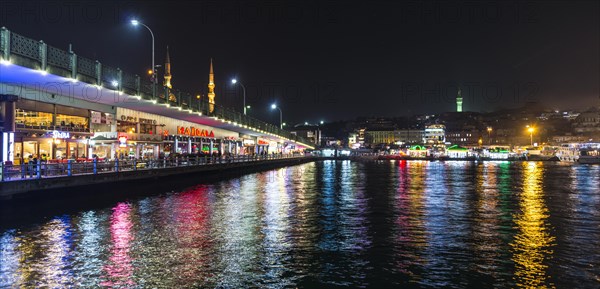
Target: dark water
[[330, 224]]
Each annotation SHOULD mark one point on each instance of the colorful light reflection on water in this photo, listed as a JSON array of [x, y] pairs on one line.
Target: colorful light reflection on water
[[331, 224]]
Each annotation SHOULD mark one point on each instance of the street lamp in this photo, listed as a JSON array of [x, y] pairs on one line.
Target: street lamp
[[234, 81], [135, 22], [530, 129], [274, 106], [489, 130]]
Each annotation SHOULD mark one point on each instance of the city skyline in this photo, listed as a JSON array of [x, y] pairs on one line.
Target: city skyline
[[326, 60]]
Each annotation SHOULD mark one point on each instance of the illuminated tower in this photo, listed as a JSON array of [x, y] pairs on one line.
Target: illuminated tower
[[211, 89], [459, 101], [167, 81]]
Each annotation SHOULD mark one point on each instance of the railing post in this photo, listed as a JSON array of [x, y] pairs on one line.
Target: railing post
[[95, 166], [120, 79], [73, 63], [5, 45], [98, 73], [23, 170], [2, 171], [38, 169], [69, 168], [43, 50], [137, 85], [135, 164], [117, 165]]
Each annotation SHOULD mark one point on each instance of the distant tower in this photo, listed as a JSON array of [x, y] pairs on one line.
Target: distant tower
[[167, 81], [211, 89], [459, 101]]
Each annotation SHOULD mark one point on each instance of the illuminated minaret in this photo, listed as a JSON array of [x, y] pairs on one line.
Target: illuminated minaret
[[211, 88], [167, 81], [459, 101]]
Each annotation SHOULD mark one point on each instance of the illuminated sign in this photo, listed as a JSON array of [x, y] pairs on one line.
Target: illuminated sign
[[263, 142], [249, 142], [192, 131], [60, 134], [122, 141], [136, 119]]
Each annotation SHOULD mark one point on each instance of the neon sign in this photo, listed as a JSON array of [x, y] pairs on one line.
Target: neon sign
[[60, 134], [192, 131]]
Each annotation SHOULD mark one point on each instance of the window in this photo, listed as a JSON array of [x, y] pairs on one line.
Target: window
[[125, 126], [70, 121], [28, 118]]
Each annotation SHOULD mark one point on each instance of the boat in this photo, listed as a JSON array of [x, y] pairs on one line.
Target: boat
[[589, 155], [584, 153]]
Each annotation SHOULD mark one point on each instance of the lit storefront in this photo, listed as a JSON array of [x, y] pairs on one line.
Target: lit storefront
[[248, 146], [151, 136], [50, 131]]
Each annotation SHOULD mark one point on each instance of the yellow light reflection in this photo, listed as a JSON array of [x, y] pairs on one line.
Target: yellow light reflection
[[532, 244]]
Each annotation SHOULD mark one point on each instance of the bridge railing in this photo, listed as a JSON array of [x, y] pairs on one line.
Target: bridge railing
[[34, 54], [39, 170]]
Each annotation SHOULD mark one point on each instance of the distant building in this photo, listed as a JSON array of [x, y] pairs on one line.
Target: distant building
[[380, 136], [587, 122], [434, 134], [409, 136], [353, 140], [466, 136], [310, 132]]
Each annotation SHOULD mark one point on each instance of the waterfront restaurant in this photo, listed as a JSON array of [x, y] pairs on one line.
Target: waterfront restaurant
[[145, 135], [50, 131]]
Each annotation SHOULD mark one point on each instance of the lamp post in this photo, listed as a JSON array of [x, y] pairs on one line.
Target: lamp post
[[234, 81], [319, 132], [135, 22], [489, 130], [274, 106], [530, 129]]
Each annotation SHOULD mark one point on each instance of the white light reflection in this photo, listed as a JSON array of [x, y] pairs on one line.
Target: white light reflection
[[10, 257]]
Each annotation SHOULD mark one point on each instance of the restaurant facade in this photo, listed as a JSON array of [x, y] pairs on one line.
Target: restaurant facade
[[55, 127]]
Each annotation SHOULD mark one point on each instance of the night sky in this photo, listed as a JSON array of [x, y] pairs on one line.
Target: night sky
[[332, 60]]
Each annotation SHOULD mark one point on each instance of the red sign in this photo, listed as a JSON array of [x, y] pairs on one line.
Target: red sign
[[263, 142], [192, 131]]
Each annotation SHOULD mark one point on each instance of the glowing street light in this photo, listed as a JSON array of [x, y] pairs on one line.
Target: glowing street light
[[274, 106], [136, 22], [530, 129], [234, 81], [489, 130]]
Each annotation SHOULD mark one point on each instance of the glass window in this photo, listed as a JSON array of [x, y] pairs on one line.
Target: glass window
[[72, 122], [125, 126], [147, 128], [45, 149], [18, 153], [30, 118], [101, 151], [61, 150], [30, 149]]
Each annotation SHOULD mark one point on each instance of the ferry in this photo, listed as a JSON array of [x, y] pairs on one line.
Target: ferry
[[589, 155], [585, 153]]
